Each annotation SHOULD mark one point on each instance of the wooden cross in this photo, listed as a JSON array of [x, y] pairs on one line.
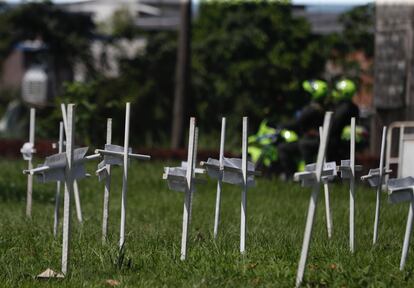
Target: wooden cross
[[402, 190], [27, 151], [332, 167], [65, 167], [347, 170], [104, 172], [182, 179], [376, 178], [118, 155], [75, 183], [316, 177], [233, 171]]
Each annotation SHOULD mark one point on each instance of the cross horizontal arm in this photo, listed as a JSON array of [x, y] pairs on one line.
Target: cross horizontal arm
[[376, 174], [114, 153], [348, 168], [36, 170], [47, 168], [232, 169]]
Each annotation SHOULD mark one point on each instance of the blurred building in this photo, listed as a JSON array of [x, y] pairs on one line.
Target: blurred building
[[394, 73]]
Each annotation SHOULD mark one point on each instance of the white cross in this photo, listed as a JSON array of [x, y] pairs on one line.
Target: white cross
[[376, 179], [65, 167], [182, 179], [316, 175], [347, 170], [27, 151], [117, 155], [402, 190], [233, 171], [75, 183], [104, 172]]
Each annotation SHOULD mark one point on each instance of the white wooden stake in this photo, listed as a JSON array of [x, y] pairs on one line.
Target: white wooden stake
[[125, 177], [68, 189], [379, 188], [327, 201], [219, 182], [313, 200], [58, 185], [107, 186], [30, 164], [407, 235], [244, 190], [75, 183], [352, 189], [194, 167], [187, 199]]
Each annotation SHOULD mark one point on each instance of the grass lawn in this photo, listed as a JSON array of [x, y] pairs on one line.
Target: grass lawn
[[276, 219]]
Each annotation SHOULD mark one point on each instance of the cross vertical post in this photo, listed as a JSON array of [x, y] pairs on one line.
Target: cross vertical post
[[68, 189], [407, 234], [107, 185], [58, 185], [187, 199], [194, 168], [125, 177], [219, 182], [244, 190], [379, 188], [352, 189], [75, 183], [327, 199], [30, 164]]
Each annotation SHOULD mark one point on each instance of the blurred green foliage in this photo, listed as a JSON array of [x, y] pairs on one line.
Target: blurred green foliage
[[248, 59]]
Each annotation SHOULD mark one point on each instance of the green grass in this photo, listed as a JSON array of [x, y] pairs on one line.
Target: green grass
[[276, 219]]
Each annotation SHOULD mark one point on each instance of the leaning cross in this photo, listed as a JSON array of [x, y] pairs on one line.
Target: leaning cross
[[313, 177], [402, 190], [376, 179]]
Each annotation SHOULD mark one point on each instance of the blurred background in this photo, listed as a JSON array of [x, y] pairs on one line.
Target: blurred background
[[179, 58]]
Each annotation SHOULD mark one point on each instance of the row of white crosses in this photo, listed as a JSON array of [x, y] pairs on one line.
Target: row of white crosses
[[321, 173], [228, 170], [69, 166]]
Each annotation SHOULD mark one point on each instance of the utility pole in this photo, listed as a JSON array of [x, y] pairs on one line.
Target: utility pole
[[182, 73]]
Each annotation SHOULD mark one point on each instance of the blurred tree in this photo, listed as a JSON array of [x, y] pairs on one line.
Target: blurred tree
[[66, 34], [249, 58], [358, 31]]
